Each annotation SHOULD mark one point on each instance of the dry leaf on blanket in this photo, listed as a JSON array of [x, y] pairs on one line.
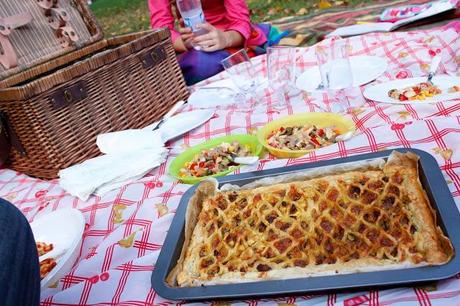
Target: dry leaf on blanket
[[128, 241], [445, 153]]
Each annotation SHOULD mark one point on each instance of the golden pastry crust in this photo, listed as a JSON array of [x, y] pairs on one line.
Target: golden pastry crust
[[350, 222]]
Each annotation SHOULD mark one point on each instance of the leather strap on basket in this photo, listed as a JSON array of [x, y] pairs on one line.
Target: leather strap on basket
[[11, 134], [47, 4], [8, 57], [58, 19]]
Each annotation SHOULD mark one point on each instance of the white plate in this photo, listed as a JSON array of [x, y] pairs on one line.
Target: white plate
[[184, 122], [213, 97], [206, 98], [364, 69], [64, 229], [379, 93]]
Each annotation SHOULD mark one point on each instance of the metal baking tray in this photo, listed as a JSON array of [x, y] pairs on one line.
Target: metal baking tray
[[432, 180]]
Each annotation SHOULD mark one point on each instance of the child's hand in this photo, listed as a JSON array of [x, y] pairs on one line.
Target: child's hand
[[186, 34], [214, 40]]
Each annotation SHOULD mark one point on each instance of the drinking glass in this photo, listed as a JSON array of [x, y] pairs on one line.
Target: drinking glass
[[242, 73], [281, 70], [335, 70]]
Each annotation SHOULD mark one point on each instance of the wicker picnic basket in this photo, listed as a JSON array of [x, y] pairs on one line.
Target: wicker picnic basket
[[65, 84]]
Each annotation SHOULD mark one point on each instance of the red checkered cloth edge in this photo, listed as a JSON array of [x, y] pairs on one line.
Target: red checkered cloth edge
[[126, 228]]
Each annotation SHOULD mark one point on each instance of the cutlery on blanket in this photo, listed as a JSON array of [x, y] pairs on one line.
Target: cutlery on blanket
[[217, 88], [169, 114], [345, 136], [55, 253], [433, 68], [246, 160], [221, 91]]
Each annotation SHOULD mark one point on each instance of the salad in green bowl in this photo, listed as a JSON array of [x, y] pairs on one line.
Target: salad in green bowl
[[214, 158]]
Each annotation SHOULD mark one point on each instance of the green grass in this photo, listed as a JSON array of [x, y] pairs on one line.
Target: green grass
[[122, 16], [125, 16]]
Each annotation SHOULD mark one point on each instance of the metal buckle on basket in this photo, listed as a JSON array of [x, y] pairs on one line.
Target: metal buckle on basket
[[68, 96]]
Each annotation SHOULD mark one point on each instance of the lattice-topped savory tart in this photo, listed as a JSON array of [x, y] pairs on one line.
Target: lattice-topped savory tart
[[359, 220]]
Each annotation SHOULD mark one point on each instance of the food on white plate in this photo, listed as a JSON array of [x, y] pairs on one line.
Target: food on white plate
[[46, 266], [454, 89], [43, 248], [419, 91], [305, 137], [215, 160]]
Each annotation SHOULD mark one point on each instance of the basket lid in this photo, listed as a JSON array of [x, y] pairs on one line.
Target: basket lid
[[36, 31]]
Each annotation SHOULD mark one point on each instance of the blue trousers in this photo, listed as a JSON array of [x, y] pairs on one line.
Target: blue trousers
[[19, 268]]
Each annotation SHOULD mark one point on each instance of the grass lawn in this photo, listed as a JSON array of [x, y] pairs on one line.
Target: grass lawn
[[124, 16]]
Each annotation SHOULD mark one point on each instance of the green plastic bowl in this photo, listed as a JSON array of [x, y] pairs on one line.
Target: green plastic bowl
[[179, 162]]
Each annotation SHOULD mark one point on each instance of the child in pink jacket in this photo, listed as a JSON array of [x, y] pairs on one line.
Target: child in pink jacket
[[228, 29]]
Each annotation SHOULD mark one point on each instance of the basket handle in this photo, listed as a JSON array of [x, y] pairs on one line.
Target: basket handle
[[8, 57]]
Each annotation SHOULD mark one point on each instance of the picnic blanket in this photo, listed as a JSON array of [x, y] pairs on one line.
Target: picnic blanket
[[126, 228], [310, 29]]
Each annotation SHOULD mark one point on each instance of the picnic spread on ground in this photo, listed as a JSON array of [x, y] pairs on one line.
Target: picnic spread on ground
[[298, 173]]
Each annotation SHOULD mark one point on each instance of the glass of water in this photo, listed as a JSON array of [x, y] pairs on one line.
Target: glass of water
[[336, 74], [281, 70], [242, 73]]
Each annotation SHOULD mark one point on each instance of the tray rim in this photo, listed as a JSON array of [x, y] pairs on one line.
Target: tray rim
[[443, 202]]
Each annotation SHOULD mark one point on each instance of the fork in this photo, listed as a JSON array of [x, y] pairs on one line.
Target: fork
[[433, 68]]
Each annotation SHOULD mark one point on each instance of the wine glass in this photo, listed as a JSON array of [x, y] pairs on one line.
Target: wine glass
[[336, 74], [281, 70], [242, 73]]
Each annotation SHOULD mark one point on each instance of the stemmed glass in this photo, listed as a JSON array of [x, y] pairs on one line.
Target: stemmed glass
[[242, 73], [281, 70], [335, 70]]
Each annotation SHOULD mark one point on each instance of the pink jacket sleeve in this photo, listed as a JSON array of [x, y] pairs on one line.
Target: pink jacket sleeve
[[238, 16], [161, 16]]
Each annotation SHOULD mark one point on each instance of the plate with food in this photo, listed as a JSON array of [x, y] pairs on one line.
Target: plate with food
[[364, 69], [415, 90], [296, 135], [58, 237], [377, 219], [214, 158]]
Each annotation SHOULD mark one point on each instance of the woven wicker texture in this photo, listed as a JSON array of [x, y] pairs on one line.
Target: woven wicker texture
[[37, 43], [121, 94]]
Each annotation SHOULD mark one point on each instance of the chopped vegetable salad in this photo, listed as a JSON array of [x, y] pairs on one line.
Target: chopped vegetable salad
[[215, 160]]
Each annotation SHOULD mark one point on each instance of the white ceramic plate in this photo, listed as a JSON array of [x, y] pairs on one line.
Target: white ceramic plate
[[64, 229], [184, 122], [379, 93], [204, 98], [218, 94], [364, 69]]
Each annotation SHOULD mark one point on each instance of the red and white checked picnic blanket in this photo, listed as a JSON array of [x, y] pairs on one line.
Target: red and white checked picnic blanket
[[126, 228]]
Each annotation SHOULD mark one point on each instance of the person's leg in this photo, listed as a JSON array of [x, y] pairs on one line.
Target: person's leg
[[19, 267], [198, 65]]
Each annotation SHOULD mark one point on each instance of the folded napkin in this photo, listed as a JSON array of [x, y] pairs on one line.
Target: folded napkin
[[129, 155], [104, 173], [129, 141]]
